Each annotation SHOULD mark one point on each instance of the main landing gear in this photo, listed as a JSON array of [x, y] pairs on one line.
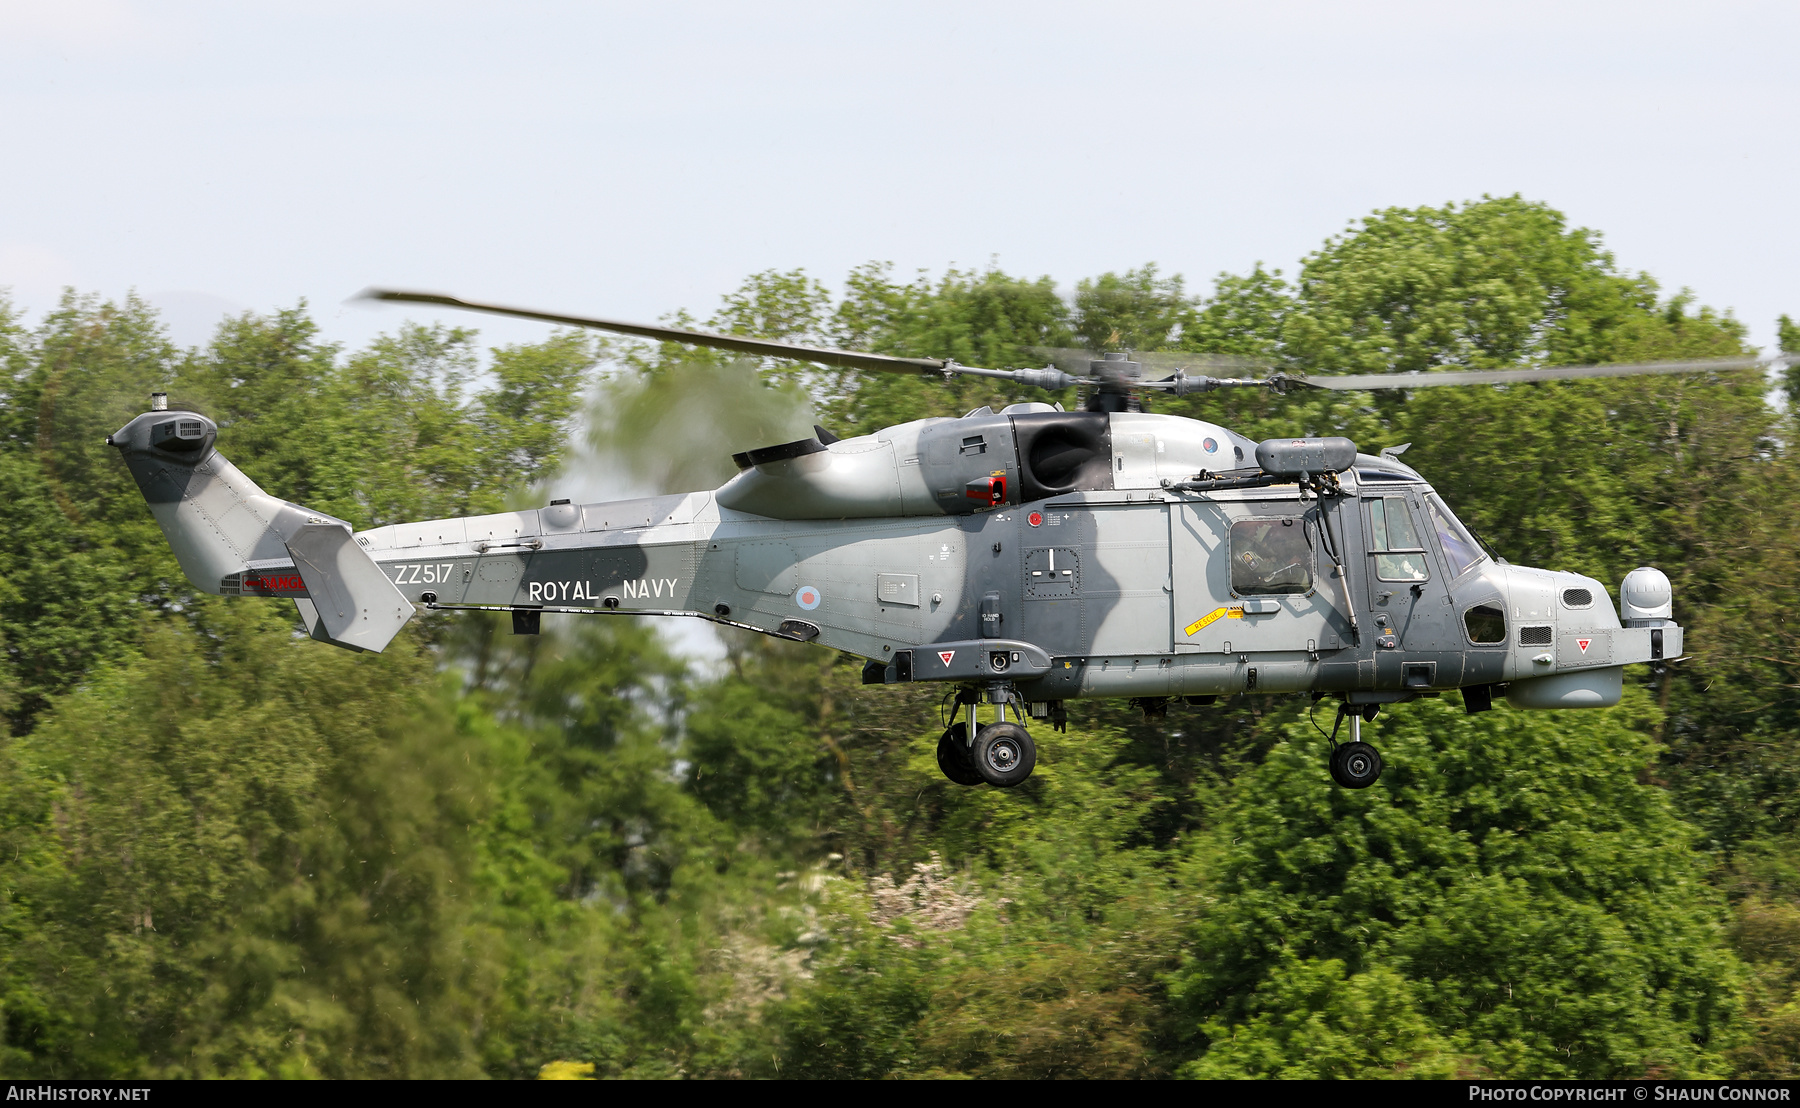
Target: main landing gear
[[1355, 764], [1001, 754]]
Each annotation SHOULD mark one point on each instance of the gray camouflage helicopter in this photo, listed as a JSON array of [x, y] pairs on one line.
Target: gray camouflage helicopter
[[1026, 557]]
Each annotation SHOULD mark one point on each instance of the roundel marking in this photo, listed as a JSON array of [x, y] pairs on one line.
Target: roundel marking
[[1211, 445], [807, 597], [1036, 519]]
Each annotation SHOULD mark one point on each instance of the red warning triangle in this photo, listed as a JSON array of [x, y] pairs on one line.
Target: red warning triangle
[[946, 655], [1583, 644]]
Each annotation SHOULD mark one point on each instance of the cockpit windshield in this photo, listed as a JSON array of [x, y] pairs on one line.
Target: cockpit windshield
[[1460, 548]]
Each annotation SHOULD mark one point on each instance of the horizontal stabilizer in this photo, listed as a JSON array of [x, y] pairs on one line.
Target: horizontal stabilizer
[[354, 602]]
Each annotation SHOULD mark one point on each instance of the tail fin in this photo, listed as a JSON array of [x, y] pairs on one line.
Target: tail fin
[[232, 538]]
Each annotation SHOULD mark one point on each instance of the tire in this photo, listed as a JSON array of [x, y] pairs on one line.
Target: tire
[[1355, 765], [953, 756], [1004, 754]]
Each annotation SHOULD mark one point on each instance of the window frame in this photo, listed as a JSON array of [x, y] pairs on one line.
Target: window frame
[[1312, 554], [1481, 555], [1376, 554], [1506, 624]]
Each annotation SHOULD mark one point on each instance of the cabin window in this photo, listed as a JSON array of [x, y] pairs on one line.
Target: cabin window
[[1460, 548], [1485, 623], [1399, 555], [1270, 556]]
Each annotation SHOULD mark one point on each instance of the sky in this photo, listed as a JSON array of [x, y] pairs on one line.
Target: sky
[[632, 159]]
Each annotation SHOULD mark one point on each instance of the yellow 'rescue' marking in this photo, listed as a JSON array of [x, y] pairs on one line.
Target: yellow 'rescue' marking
[[1236, 611]]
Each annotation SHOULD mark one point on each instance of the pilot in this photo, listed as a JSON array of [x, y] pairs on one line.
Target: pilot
[[1271, 557], [1403, 567]]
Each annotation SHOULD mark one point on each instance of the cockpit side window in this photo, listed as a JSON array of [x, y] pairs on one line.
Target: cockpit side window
[[1399, 555], [1460, 548], [1270, 556], [1486, 623]]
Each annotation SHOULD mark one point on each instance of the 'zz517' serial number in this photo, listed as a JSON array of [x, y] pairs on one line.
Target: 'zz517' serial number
[[425, 573]]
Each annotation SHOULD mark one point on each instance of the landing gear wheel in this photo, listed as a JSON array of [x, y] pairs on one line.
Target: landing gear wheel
[[1355, 765], [1004, 754], [953, 756]]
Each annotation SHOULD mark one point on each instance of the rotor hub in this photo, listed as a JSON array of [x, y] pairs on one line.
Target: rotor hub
[[1116, 378]]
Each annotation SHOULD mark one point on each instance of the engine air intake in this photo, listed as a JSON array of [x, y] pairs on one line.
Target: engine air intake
[[781, 452], [1578, 598]]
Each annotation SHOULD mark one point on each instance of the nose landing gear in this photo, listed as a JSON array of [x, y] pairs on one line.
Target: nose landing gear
[[1355, 764], [1001, 754]]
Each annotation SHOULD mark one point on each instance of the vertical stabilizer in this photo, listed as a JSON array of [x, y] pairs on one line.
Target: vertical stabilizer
[[224, 529]]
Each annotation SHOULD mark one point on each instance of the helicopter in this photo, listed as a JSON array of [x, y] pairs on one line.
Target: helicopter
[[1023, 557]]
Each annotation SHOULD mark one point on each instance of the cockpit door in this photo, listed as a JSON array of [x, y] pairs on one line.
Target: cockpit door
[[1408, 597]]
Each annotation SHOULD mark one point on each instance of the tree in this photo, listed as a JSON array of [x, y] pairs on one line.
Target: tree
[[81, 558], [980, 319], [241, 856], [1545, 909], [1311, 1021], [1136, 310], [1788, 337]]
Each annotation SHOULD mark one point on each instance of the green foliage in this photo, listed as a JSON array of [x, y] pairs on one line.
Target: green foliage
[[412, 428], [979, 319], [752, 766], [775, 305], [1732, 759], [1788, 336], [1243, 315], [1546, 911], [1765, 888], [1028, 945], [1311, 1021], [227, 877], [1136, 310], [1413, 288], [79, 561]]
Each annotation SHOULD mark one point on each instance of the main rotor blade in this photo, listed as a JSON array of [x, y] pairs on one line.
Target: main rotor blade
[[1171, 360], [762, 348], [1350, 382], [1076, 361]]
